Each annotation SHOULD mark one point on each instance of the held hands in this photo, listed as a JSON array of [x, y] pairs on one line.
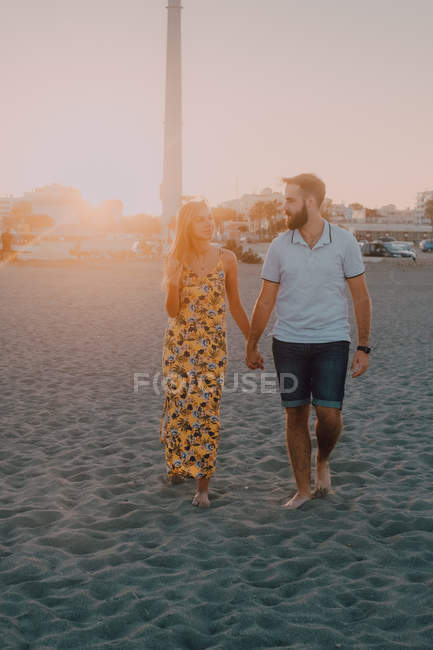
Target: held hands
[[359, 363], [254, 359]]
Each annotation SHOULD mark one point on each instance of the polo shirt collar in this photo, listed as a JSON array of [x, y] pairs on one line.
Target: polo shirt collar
[[325, 238]]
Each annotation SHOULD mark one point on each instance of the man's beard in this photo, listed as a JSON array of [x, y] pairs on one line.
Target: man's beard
[[298, 219]]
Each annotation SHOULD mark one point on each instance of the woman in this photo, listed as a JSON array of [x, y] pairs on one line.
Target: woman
[[197, 277]]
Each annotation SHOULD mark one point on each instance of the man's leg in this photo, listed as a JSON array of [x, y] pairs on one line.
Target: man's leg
[[329, 425], [299, 448], [329, 368]]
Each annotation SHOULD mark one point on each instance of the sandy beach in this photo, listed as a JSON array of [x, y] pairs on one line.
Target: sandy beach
[[98, 551]]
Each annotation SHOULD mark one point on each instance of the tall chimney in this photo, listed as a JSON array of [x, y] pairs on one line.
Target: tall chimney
[[171, 188]]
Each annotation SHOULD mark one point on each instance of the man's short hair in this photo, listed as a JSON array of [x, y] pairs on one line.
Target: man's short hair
[[309, 184]]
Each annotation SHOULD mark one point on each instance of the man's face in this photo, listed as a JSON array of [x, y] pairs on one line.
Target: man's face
[[295, 207]]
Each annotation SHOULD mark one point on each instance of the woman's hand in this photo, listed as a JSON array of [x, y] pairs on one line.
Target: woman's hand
[[174, 271], [253, 358]]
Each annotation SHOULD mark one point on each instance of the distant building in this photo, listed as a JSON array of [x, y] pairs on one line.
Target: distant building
[[6, 205], [391, 214], [63, 204], [246, 202], [231, 231], [401, 231], [340, 212], [108, 212], [421, 200], [359, 215]]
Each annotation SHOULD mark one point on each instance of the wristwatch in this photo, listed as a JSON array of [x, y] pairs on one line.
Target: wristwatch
[[364, 348]]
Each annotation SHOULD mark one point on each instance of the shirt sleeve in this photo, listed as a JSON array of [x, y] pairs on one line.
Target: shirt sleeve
[[271, 269], [353, 264]]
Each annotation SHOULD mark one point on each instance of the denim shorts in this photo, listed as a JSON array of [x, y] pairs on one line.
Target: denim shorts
[[317, 369]]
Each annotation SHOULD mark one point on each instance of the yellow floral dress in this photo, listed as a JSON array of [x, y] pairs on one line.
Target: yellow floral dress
[[194, 363]]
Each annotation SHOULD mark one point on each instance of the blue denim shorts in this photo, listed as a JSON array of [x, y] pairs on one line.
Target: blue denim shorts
[[311, 369]]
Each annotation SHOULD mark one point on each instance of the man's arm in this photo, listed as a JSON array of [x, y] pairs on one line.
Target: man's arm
[[259, 319], [362, 308]]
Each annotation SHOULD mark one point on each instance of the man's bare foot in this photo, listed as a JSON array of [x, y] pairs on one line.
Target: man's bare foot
[[297, 501], [322, 486], [201, 500]]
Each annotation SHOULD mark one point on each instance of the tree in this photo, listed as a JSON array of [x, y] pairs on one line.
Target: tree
[[272, 211], [19, 215], [326, 209], [429, 211], [356, 206], [267, 211], [372, 215], [223, 214], [258, 214]]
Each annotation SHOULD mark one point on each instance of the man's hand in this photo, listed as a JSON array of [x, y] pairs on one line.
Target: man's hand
[[359, 363], [254, 359]]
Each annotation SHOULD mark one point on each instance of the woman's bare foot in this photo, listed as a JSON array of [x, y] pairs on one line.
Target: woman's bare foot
[[322, 486], [201, 500], [297, 501]]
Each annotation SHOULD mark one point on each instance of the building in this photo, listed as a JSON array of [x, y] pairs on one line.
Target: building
[[421, 200], [391, 214], [6, 205], [108, 212], [246, 202], [339, 212], [63, 204], [401, 231], [358, 215]]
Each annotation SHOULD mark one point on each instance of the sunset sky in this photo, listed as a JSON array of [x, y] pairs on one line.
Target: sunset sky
[[270, 88]]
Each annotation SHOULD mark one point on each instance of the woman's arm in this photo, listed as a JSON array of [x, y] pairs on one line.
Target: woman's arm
[[236, 308], [173, 274]]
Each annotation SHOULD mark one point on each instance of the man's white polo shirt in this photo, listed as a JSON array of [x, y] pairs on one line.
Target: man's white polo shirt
[[312, 305]]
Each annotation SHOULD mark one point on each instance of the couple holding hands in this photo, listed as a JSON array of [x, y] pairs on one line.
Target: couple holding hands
[[304, 277]]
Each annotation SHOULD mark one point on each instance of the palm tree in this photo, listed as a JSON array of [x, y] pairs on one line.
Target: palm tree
[[257, 214]]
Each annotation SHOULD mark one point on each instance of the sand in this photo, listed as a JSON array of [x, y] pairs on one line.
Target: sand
[[97, 551]]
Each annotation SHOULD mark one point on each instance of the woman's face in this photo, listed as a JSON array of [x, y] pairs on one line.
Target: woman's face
[[202, 225]]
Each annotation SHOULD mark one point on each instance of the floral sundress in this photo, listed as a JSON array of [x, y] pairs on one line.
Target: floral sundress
[[194, 363]]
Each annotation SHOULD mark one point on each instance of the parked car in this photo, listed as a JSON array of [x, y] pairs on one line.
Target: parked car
[[388, 249], [426, 245], [406, 245], [386, 238]]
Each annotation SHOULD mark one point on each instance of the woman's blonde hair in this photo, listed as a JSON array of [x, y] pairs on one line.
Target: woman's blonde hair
[[183, 245]]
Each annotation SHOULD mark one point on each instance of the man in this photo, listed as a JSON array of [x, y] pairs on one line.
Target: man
[[304, 273]]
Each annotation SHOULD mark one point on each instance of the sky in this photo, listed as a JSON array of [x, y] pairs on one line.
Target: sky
[[271, 88]]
